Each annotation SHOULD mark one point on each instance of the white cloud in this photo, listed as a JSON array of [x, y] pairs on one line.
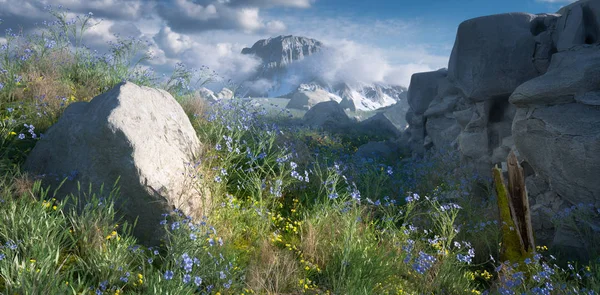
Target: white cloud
[[225, 58], [213, 32], [352, 62]]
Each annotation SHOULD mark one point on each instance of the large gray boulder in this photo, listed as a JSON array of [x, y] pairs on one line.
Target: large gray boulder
[[571, 75], [579, 24], [305, 99], [423, 89], [492, 55], [390, 122], [138, 134], [327, 115], [527, 83], [562, 143]]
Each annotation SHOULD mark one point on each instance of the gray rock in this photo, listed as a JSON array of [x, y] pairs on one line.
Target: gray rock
[[579, 24], [473, 144], [591, 98], [423, 89], [536, 185], [207, 94], [562, 143], [479, 119], [139, 134], [210, 96], [443, 130], [306, 99], [492, 55], [225, 93], [441, 105], [328, 115], [572, 72], [500, 153], [390, 121], [381, 125], [463, 117], [543, 28]]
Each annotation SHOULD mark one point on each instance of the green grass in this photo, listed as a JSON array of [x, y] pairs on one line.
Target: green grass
[[292, 211]]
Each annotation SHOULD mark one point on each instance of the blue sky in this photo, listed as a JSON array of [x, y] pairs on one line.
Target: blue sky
[[376, 41]]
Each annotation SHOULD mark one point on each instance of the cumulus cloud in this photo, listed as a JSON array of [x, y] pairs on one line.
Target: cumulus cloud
[[213, 32], [185, 16], [225, 58], [355, 63], [35, 10]]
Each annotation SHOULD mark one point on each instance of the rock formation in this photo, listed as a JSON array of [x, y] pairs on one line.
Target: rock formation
[[525, 82], [306, 97], [327, 115], [138, 134]]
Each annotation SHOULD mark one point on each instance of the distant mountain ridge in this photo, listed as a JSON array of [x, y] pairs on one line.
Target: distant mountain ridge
[[283, 80]]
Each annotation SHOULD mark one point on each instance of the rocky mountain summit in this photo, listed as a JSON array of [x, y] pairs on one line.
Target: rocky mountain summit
[[528, 83], [283, 50], [279, 55]]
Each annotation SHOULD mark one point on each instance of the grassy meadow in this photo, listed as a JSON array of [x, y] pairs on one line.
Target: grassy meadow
[[293, 211]]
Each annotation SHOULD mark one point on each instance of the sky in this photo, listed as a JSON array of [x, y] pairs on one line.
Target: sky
[[373, 40]]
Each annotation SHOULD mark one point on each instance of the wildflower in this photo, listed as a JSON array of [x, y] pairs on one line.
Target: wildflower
[[293, 165], [11, 245], [198, 281], [10, 110], [175, 226], [423, 262], [21, 136], [222, 275], [187, 278], [2, 256], [218, 147], [355, 194], [389, 170], [103, 285], [333, 196], [168, 275], [193, 237], [296, 175], [218, 179]]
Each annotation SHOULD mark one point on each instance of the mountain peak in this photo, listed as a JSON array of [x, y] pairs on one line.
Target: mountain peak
[[282, 50]]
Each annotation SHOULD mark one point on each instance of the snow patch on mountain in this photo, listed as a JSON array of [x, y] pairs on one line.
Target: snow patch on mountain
[[293, 64]]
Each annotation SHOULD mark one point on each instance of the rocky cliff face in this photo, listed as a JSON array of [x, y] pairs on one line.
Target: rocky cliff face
[[525, 82], [283, 50]]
